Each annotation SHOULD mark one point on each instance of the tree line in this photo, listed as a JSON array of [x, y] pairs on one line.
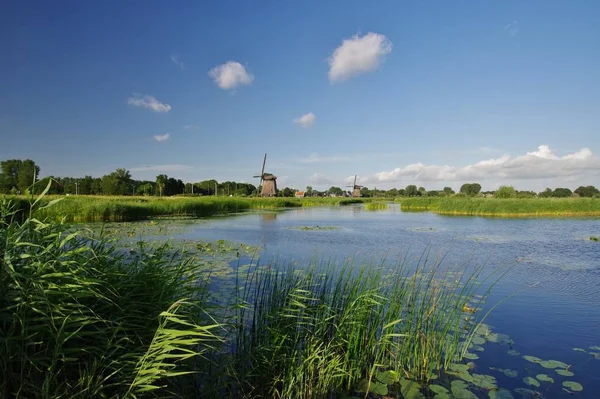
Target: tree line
[[18, 177]]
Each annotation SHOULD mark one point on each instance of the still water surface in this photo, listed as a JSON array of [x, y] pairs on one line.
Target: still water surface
[[554, 268]]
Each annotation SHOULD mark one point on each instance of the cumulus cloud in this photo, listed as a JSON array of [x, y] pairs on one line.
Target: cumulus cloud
[[161, 168], [177, 61], [357, 55], [306, 120], [316, 158], [319, 178], [230, 75], [540, 164], [162, 137], [148, 102]]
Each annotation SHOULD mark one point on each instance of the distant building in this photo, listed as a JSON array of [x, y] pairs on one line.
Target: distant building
[[300, 194]]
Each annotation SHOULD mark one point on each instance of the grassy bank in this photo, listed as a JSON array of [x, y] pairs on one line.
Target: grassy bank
[[521, 207], [100, 208], [81, 318]]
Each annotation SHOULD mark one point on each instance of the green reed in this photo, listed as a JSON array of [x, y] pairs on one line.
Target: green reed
[[505, 207], [81, 318], [324, 330], [105, 208]]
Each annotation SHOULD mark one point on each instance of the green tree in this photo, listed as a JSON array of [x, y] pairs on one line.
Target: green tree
[[335, 191], [448, 190], [9, 175], [588, 191], [117, 183], [506, 192], [27, 175], [562, 192], [411, 190], [546, 193], [365, 192], [470, 189], [161, 183], [309, 191]]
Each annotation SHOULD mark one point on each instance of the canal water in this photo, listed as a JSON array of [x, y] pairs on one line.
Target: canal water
[[549, 299]]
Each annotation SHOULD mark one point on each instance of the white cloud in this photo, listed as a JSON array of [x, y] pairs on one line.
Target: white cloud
[[319, 178], [193, 127], [148, 102], [230, 75], [512, 28], [357, 55], [306, 120], [540, 164], [316, 158], [162, 137], [162, 168], [177, 61]]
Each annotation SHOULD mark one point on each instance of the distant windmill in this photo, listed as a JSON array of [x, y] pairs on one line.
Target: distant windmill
[[355, 188], [268, 181]]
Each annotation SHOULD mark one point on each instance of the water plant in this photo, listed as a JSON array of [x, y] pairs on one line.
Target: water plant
[[79, 318], [504, 207], [376, 206]]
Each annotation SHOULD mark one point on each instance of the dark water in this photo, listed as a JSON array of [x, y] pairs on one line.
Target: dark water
[[554, 269]]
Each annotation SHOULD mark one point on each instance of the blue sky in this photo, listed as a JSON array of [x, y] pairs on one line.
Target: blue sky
[[431, 93]]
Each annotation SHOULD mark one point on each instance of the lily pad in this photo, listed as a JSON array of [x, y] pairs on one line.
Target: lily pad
[[410, 389], [513, 352], [438, 389], [375, 387], [579, 350], [532, 359], [500, 394], [461, 393], [531, 381], [478, 340], [484, 381], [458, 384], [471, 356], [595, 347], [544, 377], [574, 386], [566, 373], [507, 372], [387, 377], [596, 355], [498, 338], [457, 367], [477, 348]]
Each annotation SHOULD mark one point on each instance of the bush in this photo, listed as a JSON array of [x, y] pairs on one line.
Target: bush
[[506, 192]]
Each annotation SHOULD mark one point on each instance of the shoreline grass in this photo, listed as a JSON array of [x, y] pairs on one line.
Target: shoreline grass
[[122, 209], [497, 207], [80, 317]]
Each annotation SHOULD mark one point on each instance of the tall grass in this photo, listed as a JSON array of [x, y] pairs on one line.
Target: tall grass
[[504, 207], [376, 206], [99, 208], [80, 318], [309, 334]]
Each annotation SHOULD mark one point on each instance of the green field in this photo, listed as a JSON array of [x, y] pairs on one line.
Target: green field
[[517, 207], [117, 209]]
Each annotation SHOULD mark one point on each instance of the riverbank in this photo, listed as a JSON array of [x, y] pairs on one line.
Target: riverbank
[[497, 207], [120, 209], [83, 318]]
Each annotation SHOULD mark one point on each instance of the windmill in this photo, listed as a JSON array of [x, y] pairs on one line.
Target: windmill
[[268, 181], [355, 188]]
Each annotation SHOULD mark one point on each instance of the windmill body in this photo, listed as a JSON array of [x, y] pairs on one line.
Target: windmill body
[[268, 182], [355, 188]]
